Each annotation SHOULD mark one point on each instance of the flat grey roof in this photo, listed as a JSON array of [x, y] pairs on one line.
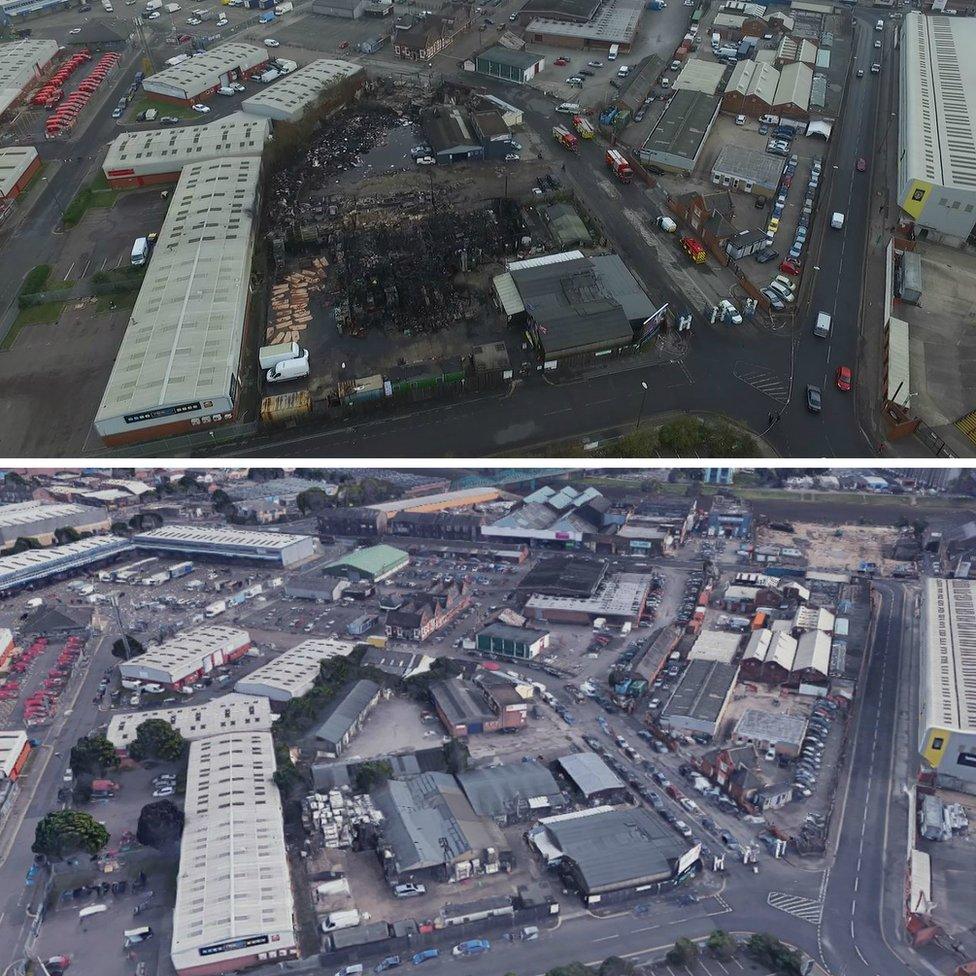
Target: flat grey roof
[[183, 341], [614, 22], [14, 162], [196, 75], [749, 164], [510, 788], [590, 773], [505, 55], [701, 691], [21, 61], [508, 632], [618, 846], [346, 709], [757, 723], [681, 130]]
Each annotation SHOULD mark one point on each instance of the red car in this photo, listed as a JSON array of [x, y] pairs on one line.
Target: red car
[[843, 378], [789, 267], [561, 61], [862, 164], [343, 45]]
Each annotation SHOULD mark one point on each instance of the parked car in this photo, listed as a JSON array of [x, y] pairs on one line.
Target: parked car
[[409, 890], [471, 947], [814, 398], [424, 955]]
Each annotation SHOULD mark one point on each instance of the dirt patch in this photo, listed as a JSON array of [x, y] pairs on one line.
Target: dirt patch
[[837, 548]]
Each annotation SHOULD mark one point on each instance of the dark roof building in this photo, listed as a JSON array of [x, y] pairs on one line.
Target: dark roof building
[[591, 775], [450, 133], [511, 792], [347, 714], [505, 640], [403, 664], [430, 830], [615, 849], [352, 521], [438, 525], [575, 11], [679, 135], [508, 65], [53, 622], [700, 697], [462, 707], [564, 576]]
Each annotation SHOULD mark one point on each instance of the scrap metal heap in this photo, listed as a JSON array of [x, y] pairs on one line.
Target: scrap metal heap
[[402, 272]]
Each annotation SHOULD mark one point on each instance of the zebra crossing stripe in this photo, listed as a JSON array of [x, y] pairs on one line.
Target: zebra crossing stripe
[[805, 908]]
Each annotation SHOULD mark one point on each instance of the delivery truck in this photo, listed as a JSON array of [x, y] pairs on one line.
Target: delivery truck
[[270, 356], [347, 919]]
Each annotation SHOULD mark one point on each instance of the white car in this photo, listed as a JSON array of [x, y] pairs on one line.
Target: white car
[[512, 158], [730, 312], [426, 161], [193, 21], [154, 15], [163, 791], [202, 109], [75, 30], [271, 42], [238, 87]]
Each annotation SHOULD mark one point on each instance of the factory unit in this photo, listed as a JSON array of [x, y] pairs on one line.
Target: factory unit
[[198, 79], [18, 166], [511, 792], [23, 64], [148, 156], [518, 67], [348, 9], [14, 750], [792, 96], [34, 566], [177, 368], [293, 672], [585, 25], [234, 906], [592, 777], [188, 656], [220, 716], [347, 713], [374, 564], [504, 640], [675, 143], [618, 599], [280, 548], [41, 520], [467, 708], [947, 693], [751, 90], [316, 84], [937, 127], [700, 698]]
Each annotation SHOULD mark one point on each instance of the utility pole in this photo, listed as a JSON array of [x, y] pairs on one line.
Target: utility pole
[[118, 619]]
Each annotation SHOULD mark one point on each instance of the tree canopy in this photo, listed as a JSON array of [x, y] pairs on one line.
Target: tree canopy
[[93, 754], [65, 832], [135, 648], [682, 953], [372, 774], [156, 739], [775, 955], [160, 825]]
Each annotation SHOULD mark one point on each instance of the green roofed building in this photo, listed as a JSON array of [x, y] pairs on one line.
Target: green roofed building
[[374, 563], [501, 62]]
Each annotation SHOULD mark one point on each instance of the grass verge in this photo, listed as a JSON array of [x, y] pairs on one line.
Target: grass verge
[[36, 315], [96, 194]]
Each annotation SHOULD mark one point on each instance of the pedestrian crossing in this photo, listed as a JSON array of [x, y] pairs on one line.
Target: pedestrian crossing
[[797, 906], [764, 380]]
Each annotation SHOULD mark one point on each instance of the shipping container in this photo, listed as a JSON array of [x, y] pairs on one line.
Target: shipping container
[[286, 406]]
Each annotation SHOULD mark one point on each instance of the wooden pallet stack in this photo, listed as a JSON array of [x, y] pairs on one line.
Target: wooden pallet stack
[[290, 315]]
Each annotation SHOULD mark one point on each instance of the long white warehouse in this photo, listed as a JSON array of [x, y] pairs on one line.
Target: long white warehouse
[[289, 98], [177, 369], [187, 656], [282, 548], [198, 78], [291, 674], [40, 520], [221, 716], [149, 156], [33, 566], [22, 65], [234, 906]]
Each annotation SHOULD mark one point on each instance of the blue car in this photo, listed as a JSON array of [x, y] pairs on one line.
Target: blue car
[[423, 956], [473, 947]]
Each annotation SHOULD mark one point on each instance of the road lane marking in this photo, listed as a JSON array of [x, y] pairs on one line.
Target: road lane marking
[[804, 908]]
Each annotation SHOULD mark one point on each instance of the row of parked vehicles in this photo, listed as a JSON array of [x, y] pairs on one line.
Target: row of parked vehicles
[[470, 947]]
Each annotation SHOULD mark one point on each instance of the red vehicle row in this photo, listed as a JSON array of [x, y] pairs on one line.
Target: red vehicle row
[[52, 91], [65, 116]]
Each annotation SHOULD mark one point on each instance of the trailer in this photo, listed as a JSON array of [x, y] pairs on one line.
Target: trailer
[[566, 138], [618, 165]]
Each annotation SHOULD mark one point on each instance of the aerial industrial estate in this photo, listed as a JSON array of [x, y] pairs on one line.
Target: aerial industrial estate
[[327, 227], [690, 720]]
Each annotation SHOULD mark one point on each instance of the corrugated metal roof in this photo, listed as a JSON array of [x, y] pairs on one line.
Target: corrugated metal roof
[[508, 294]]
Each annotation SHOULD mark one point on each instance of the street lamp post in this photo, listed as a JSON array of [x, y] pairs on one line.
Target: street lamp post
[[641, 411]]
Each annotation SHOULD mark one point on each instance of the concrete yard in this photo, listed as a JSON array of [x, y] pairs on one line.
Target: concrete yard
[[394, 726], [835, 549]]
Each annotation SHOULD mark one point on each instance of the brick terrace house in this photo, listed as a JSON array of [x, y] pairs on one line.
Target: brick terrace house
[[709, 217], [426, 36], [426, 613]]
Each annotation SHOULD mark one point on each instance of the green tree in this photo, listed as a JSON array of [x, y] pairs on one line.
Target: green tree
[[571, 969], [683, 953], [120, 529], [66, 534], [721, 944], [456, 756], [160, 825], [157, 739], [65, 832], [615, 966], [680, 437], [93, 754], [23, 544], [135, 648], [369, 775], [774, 954], [311, 501]]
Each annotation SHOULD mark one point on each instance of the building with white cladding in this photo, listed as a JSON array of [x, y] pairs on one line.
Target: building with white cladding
[[144, 157], [187, 656], [234, 906], [22, 65], [178, 367], [281, 548], [198, 78], [219, 716], [292, 674], [40, 520], [289, 98], [33, 566]]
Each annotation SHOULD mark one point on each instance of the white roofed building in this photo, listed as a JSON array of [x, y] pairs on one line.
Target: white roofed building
[[18, 165], [145, 157], [187, 656], [283, 548], [234, 906], [21, 66], [177, 369], [33, 566], [199, 78], [769, 656], [14, 750], [40, 520], [220, 716], [936, 181], [292, 674], [289, 98]]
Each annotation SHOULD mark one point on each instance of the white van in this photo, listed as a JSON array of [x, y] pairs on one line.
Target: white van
[[568, 108], [822, 327], [270, 356], [225, 90], [614, 51], [879, 26], [131, 937], [140, 252], [290, 369]]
